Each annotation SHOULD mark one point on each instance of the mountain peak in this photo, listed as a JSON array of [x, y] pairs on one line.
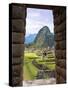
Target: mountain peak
[[44, 29], [44, 38]]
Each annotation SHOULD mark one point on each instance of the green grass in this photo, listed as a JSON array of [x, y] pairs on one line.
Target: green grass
[[51, 66], [30, 56], [30, 71]]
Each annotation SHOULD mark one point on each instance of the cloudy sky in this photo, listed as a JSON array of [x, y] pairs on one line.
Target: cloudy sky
[[37, 18]]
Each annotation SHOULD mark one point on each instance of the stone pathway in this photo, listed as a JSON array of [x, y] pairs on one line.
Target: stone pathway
[[39, 82]]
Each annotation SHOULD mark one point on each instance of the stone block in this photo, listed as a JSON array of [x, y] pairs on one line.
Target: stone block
[[18, 12], [18, 37], [17, 50], [18, 25]]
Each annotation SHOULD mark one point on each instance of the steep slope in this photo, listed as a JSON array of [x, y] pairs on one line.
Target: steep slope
[[44, 38]]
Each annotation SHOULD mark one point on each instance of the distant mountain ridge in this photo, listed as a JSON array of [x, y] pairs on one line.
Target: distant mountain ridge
[[30, 38]]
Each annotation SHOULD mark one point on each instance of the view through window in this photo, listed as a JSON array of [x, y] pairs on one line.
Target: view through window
[[39, 54]]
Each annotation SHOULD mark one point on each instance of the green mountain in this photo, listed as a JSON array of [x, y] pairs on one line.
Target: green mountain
[[44, 38]]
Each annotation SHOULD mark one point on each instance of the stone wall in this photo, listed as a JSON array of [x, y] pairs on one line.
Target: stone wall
[[17, 20], [59, 14]]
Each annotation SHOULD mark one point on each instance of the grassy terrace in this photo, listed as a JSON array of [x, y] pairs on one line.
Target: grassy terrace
[[30, 70]]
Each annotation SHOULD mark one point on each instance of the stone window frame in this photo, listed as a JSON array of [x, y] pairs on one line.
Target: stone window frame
[[16, 45]]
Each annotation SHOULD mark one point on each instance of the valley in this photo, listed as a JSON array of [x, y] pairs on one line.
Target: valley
[[39, 55], [38, 67]]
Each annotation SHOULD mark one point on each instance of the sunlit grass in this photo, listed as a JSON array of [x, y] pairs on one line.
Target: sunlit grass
[[51, 66], [30, 56], [30, 71]]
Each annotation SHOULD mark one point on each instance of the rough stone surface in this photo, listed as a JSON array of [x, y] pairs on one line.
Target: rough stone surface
[[17, 50], [18, 12], [18, 25], [17, 37], [16, 60]]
